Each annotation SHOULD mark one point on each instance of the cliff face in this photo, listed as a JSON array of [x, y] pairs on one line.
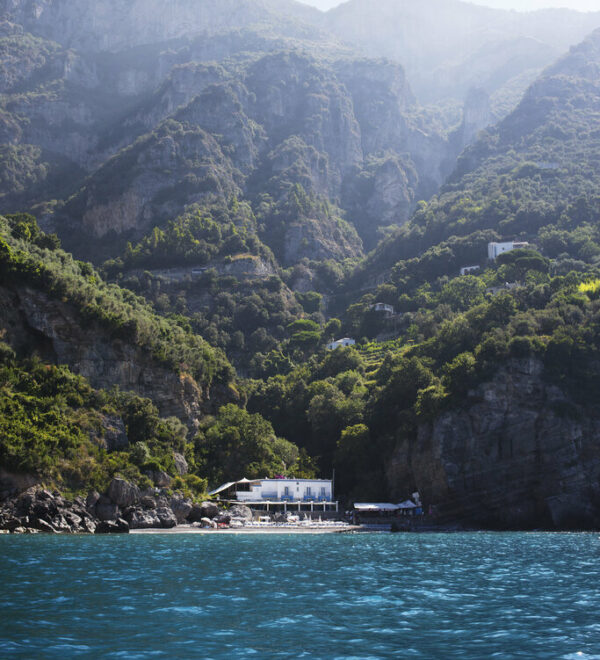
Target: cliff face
[[112, 25], [517, 454], [33, 323]]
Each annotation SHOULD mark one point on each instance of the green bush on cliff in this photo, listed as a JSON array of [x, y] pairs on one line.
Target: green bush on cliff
[[122, 313]]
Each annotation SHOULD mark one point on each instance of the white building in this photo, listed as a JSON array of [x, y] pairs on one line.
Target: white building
[[465, 270], [280, 493], [346, 341], [382, 307], [496, 249]]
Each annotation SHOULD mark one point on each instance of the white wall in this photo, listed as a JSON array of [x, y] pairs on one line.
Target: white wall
[[297, 489]]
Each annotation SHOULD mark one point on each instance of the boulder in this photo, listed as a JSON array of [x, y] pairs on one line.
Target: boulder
[[114, 436], [140, 519], [119, 526], [106, 510], [43, 526], [181, 507], [44, 509], [160, 478], [148, 502], [222, 519], [60, 523], [167, 518], [24, 503], [12, 524], [92, 500], [181, 465], [122, 493], [73, 519], [241, 511]]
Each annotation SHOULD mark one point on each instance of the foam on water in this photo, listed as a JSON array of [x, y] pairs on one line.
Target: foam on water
[[298, 596]]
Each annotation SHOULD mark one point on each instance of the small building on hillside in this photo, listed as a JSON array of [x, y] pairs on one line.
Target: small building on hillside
[[279, 494], [496, 249], [383, 308], [466, 270], [339, 343]]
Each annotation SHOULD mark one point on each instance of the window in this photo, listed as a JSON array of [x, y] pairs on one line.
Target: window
[[323, 491], [309, 491], [286, 490]]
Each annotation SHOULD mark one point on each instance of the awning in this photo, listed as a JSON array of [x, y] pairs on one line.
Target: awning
[[408, 504], [229, 484], [375, 506], [220, 489]]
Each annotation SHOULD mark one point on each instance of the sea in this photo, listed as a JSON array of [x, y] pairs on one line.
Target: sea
[[476, 595]]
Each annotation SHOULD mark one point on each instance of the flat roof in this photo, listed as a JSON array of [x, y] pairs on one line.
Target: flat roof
[[229, 484], [292, 479]]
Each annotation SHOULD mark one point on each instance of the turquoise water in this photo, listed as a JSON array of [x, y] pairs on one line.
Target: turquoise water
[[351, 596]]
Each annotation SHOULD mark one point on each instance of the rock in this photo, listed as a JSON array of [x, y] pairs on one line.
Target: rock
[[19, 530], [44, 495], [222, 519], [167, 518], [73, 520], [211, 510], [240, 511], [119, 526], [506, 458], [207, 522], [60, 524], [92, 500], [12, 524], [181, 465], [114, 434], [122, 493], [148, 502], [140, 519], [181, 507], [45, 509], [160, 478], [106, 510], [570, 512], [44, 526], [25, 502], [88, 526]]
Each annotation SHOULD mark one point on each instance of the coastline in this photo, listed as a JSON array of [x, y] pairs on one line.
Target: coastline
[[190, 529]]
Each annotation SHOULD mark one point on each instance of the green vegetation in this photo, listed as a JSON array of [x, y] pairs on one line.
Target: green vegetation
[[28, 257]]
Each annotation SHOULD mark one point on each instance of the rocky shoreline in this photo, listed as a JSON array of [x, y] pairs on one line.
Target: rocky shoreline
[[123, 508]]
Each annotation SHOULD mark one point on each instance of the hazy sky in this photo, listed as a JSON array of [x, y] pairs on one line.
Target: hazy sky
[[524, 5]]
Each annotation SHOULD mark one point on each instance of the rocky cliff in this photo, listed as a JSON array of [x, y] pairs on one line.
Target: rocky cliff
[[517, 453], [35, 323]]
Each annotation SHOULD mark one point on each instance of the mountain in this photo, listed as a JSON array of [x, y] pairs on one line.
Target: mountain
[[485, 398], [118, 25], [265, 112], [448, 46], [254, 179]]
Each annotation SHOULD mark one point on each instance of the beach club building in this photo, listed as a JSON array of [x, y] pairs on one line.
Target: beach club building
[[280, 494]]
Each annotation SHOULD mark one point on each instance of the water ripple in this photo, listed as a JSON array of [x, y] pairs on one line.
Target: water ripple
[[355, 596]]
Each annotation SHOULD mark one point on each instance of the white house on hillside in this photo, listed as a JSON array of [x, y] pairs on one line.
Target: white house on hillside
[[346, 341], [465, 270], [280, 493], [496, 249], [383, 307]]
